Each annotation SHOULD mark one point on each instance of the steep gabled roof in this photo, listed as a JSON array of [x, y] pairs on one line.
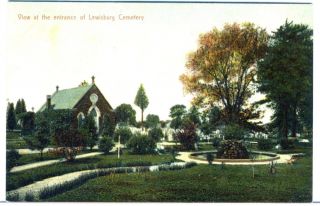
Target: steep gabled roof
[[67, 98]]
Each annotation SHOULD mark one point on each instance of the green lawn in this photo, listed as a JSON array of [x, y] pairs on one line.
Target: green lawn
[[203, 183], [15, 141], [19, 179]]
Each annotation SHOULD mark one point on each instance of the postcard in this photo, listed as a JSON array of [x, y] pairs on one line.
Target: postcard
[[179, 101]]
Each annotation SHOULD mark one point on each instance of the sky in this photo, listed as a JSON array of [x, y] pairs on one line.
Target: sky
[[121, 54]]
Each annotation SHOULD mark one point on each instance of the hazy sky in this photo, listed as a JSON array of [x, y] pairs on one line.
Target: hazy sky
[[121, 54]]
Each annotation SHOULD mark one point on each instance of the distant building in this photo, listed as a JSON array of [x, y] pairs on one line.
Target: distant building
[[83, 100]]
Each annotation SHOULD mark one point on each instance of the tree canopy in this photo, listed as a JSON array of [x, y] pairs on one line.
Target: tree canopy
[[141, 101], [152, 121], [125, 114], [285, 76], [223, 68], [11, 117]]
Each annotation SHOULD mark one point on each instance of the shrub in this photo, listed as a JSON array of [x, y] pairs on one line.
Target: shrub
[[232, 149], [156, 134], [29, 196], [233, 131], [187, 136], [141, 144], [124, 133], [216, 142], [287, 144], [12, 158], [105, 144], [210, 158], [265, 144], [13, 197]]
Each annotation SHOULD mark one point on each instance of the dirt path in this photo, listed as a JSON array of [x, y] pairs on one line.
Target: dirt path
[[185, 156], [50, 162]]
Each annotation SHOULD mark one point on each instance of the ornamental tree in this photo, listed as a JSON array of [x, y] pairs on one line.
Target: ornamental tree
[[141, 101], [222, 70]]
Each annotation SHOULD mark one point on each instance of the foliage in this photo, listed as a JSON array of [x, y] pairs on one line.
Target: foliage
[[141, 144], [141, 100], [89, 131], [177, 113], [12, 158], [187, 136], [216, 142], [285, 76], [19, 179], [109, 124], [232, 149], [11, 117], [106, 144], [223, 69], [124, 133], [124, 113], [65, 136], [194, 115], [152, 121], [28, 123], [29, 197], [210, 158], [233, 131], [41, 137], [20, 107], [265, 144], [156, 134]]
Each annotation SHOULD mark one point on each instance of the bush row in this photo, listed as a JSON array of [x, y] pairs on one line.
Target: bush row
[[60, 188]]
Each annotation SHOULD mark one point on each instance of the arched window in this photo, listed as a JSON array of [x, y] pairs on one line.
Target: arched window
[[80, 118], [95, 112]]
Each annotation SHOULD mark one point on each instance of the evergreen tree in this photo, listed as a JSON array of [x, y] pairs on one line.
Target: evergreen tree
[[109, 124], [18, 107], [11, 117], [141, 101], [23, 106], [285, 76]]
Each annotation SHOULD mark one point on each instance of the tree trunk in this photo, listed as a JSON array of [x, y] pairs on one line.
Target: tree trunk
[[294, 122], [142, 119], [285, 122]]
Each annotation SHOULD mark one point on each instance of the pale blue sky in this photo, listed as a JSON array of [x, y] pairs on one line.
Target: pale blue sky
[[121, 54]]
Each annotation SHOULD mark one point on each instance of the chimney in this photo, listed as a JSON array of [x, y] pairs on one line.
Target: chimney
[[48, 101], [57, 88], [32, 109], [92, 79]]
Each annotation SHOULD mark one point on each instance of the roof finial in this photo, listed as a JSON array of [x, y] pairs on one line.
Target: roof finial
[[57, 88], [92, 79]]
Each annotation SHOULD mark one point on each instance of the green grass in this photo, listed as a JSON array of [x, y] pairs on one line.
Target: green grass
[[203, 183], [31, 158], [19, 179]]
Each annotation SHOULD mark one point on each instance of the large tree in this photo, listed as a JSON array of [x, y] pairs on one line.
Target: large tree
[[141, 101], [221, 71], [285, 76], [11, 117], [124, 113]]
